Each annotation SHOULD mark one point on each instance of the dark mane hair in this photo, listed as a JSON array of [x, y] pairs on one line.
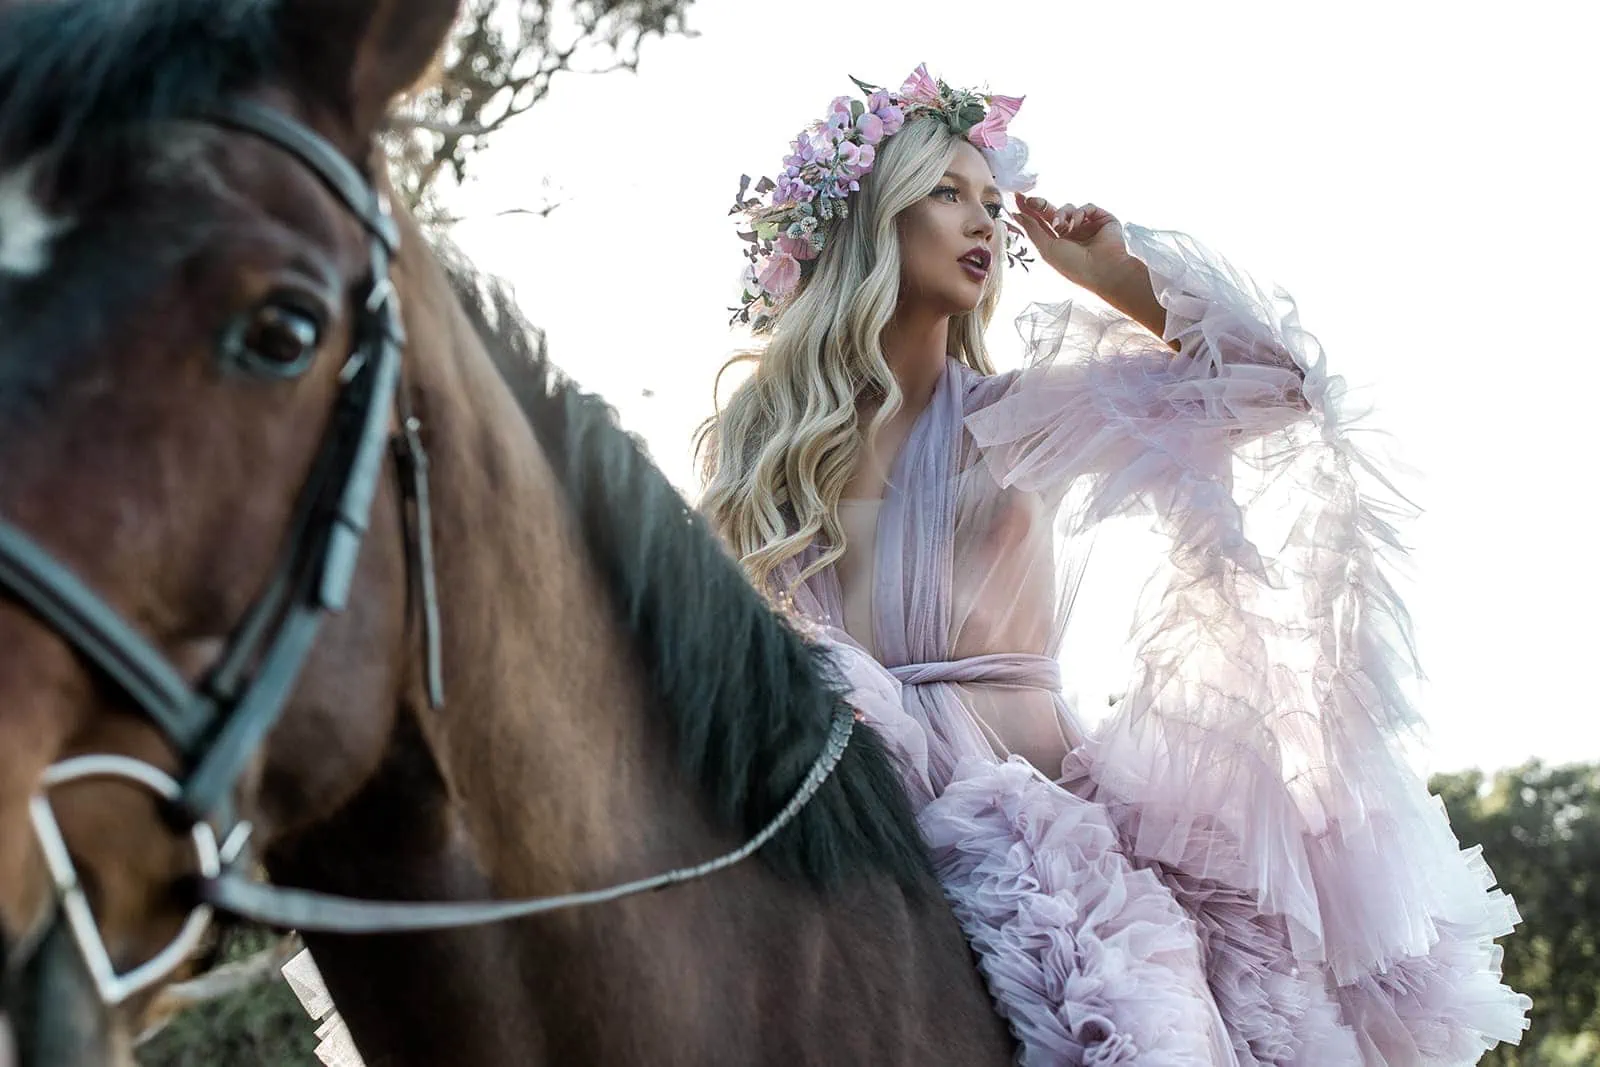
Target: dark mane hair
[[68, 66], [751, 701]]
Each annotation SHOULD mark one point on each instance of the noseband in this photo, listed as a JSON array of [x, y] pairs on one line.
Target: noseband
[[217, 725]]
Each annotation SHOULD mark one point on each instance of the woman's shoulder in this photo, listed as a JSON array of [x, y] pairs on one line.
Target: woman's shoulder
[[979, 390]]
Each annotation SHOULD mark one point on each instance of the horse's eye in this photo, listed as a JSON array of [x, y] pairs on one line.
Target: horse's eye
[[277, 338]]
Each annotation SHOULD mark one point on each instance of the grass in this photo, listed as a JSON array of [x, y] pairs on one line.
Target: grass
[[260, 1027]]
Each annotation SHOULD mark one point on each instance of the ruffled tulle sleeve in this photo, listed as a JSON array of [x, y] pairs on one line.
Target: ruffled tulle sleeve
[[1102, 395], [1258, 746]]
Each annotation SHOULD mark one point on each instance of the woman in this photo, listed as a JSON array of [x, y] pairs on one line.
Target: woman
[[1238, 866]]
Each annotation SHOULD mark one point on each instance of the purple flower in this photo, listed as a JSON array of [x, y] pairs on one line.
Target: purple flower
[[871, 127], [839, 112], [822, 149], [865, 158], [798, 247], [792, 191], [892, 118]]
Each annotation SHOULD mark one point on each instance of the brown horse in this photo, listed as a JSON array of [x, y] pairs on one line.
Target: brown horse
[[188, 302]]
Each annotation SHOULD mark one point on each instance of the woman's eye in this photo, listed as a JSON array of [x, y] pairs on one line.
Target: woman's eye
[[993, 210], [947, 192]]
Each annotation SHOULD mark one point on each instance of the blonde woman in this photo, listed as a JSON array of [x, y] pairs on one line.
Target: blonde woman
[[1238, 866]]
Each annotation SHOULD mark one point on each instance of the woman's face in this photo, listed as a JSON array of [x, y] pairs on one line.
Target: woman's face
[[949, 239]]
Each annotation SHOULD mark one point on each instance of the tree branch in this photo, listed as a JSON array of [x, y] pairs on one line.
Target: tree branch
[[501, 63]]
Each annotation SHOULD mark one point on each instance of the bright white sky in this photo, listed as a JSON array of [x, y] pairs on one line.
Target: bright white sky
[[1419, 174]]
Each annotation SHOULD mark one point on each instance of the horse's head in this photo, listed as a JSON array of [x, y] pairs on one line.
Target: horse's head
[[189, 337]]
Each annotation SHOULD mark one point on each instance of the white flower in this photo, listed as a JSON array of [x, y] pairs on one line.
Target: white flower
[[1010, 165]]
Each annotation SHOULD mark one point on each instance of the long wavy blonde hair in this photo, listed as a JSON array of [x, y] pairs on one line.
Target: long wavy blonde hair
[[775, 461]]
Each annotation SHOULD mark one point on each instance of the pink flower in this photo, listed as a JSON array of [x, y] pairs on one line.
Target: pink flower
[[991, 132], [1008, 105], [871, 127], [780, 275], [893, 118], [920, 86]]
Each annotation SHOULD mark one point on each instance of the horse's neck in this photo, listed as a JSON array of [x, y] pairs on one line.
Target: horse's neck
[[548, 771], [558, 771]]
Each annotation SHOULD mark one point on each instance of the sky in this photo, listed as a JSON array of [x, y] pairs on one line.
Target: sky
[[1419, 175]]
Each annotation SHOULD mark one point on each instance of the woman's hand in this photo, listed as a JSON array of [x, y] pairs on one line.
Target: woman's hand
[[1085, 246]]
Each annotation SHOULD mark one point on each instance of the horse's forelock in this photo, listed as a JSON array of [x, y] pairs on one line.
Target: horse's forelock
[[28, 229], [72, 67]]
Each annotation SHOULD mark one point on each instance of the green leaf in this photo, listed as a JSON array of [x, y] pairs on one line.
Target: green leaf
[[767, 231]]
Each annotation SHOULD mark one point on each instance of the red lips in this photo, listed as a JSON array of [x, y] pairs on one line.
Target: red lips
[[976, 263], [979, 257]]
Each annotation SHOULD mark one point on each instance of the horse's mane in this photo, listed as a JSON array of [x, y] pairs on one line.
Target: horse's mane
[[751, 701], [70, 65]]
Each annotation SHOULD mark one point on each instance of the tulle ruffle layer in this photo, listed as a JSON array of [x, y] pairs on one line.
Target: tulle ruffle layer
[[1088, 958]]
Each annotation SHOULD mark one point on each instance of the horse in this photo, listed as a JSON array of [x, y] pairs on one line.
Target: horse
[[311, 564]]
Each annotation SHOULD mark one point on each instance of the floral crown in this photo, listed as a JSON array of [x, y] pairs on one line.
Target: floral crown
[[826, 163]]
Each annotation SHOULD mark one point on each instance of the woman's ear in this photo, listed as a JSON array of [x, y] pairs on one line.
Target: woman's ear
[[356, 56]]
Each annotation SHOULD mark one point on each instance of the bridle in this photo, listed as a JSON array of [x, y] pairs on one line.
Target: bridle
[[217, 725]]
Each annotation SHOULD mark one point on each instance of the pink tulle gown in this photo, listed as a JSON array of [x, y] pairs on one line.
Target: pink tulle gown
[[1238, 866]]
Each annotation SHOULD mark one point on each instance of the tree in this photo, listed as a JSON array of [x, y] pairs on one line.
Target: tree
[[1540, 831], [500, 62]]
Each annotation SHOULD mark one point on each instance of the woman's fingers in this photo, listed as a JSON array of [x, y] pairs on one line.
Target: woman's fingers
[[1052, 218], [1037, 230]]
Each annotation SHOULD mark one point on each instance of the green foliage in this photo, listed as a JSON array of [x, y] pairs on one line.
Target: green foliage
[[264, 1027], [1540, 831], [260, 1027]]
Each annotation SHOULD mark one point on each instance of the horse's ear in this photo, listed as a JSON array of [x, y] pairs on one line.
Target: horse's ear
[[358, 55]]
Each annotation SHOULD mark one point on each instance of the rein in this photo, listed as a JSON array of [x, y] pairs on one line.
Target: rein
[[217, 726]]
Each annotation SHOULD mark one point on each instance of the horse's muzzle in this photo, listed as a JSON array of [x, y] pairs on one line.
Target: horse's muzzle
[[55, 1015]]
